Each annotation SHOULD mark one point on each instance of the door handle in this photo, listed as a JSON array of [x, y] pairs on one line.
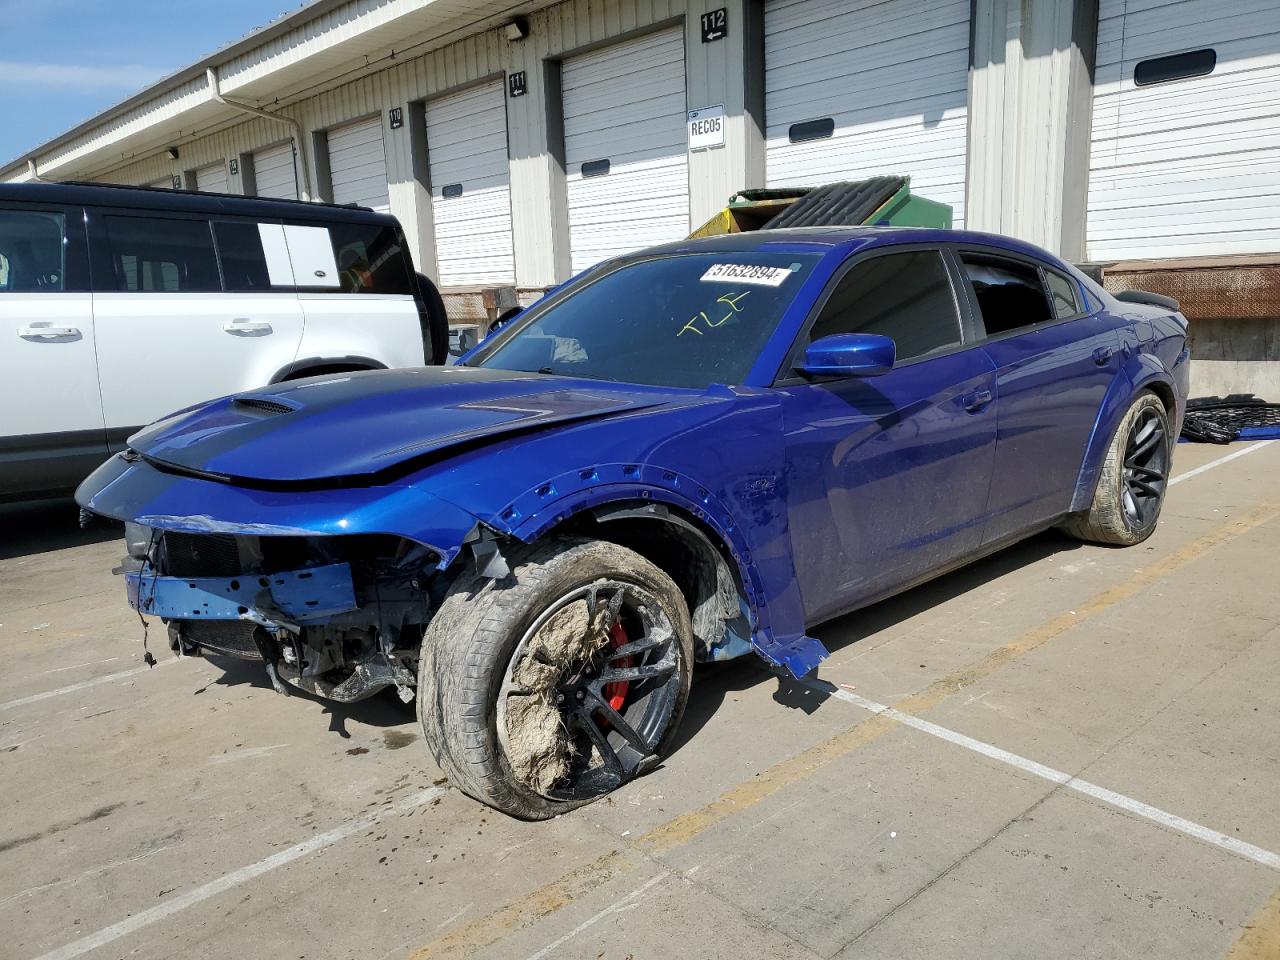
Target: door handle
[[1102, 356], [977, 400], [245, 326], [43, 331]]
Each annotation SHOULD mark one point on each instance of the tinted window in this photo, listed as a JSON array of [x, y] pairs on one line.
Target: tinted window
[[1063, 293], [163, 256], [811, 130], [906, 296], [1178, 66], [244, 264], [1009, 293], [370, 259], [33, 254], [684, 321]]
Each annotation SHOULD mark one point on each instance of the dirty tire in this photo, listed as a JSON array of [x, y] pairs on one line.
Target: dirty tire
[[472, 638], [1106, 520]]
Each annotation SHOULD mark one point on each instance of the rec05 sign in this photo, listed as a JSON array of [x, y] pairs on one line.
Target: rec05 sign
[[706, 127]]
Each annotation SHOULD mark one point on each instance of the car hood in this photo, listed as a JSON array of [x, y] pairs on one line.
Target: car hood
[[338, 429]]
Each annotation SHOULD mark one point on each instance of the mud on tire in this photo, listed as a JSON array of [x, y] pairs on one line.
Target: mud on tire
[[1131, 486], [519, 677]]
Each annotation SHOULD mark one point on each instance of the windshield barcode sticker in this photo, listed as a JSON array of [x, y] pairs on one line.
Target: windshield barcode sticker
[[749, 273]]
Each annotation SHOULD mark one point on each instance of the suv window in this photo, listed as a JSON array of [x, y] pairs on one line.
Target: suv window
[[33, 254], [163, 256], [244, 262], [370, 259], [1062, 291], [906, 296], [1009, 293]]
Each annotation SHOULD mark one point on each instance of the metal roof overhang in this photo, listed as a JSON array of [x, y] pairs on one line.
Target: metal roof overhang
[[323, 45]]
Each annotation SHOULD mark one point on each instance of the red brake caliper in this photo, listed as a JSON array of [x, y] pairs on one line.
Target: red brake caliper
[[616, 692]]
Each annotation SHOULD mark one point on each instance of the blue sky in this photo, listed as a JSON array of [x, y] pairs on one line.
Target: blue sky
[[62, 61]]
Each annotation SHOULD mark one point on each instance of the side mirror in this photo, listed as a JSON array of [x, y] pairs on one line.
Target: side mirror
[[849, 355]]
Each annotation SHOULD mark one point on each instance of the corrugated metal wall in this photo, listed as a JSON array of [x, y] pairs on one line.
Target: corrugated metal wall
[[555, 31], [1187, 167]]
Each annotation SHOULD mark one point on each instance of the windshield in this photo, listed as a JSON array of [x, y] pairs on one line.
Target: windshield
[[679, 321]]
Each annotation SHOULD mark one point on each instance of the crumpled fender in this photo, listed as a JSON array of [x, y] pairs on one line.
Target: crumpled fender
[[761, 551]]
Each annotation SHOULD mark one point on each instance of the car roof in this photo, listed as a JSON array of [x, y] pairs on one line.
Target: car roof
[[185, 201], [848, 239]]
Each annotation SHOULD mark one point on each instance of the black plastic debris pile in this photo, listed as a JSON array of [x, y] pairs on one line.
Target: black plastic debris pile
[[1241, 416]]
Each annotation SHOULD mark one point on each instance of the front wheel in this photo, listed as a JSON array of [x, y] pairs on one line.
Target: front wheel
[[550, 688], [1135, 475]]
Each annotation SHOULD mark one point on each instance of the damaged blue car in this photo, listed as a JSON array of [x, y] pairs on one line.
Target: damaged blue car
[[691, 453]]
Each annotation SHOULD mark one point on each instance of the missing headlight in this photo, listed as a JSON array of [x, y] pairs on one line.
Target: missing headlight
[[137, 539]]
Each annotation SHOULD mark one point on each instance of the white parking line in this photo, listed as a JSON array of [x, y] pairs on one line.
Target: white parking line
[[1136, 807], [618, 906], [227, 882], [83, 685], [1253, 447]]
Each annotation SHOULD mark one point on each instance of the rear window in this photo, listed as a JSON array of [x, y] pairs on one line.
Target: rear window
[[32, 252], [1009, 293], [370, 259], [244, 263], [149, 254], [1062, 291], [682, 321]]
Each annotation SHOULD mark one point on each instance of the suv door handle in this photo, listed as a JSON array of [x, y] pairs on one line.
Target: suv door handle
[[1102, 356], [246, 327], [977, 400], [39, 332]]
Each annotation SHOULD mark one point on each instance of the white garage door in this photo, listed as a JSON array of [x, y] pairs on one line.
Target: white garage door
[[1186, 129], [471, 186], [860, 88], [212, 179], [273, 173], [357, 165], [624, 111]]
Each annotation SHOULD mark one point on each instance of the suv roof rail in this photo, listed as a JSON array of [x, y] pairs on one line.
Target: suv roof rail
[[174, 191]]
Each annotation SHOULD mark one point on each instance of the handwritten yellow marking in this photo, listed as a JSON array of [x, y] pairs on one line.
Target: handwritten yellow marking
[[732, 300], [690, 326]]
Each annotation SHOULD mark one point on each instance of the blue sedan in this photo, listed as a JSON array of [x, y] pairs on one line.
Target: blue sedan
[[692, 453]]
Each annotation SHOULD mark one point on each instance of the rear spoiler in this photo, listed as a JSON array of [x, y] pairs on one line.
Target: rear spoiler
[[1150, 299]]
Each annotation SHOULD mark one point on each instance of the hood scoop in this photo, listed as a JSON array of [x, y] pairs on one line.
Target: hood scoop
[[267, 406]]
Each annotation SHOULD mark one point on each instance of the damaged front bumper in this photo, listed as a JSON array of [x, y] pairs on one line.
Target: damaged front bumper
[[339, 617], [278, 601]]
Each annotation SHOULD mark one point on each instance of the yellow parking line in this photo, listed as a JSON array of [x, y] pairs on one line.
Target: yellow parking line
[[466, 940], [1261, 937], [533, 906]]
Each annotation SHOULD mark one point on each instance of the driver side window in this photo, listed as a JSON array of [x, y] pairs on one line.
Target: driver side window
[[32, 252], [906, 296]]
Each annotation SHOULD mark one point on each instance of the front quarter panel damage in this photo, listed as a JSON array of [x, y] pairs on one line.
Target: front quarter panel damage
[[716, 460]]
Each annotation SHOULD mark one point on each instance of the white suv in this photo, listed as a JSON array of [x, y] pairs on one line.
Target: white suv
[[119, 305]]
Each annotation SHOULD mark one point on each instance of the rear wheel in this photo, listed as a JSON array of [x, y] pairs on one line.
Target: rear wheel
[[1135, 474], [548, 689]]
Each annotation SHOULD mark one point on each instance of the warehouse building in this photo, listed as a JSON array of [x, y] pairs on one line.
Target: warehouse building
[[519, 145]]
